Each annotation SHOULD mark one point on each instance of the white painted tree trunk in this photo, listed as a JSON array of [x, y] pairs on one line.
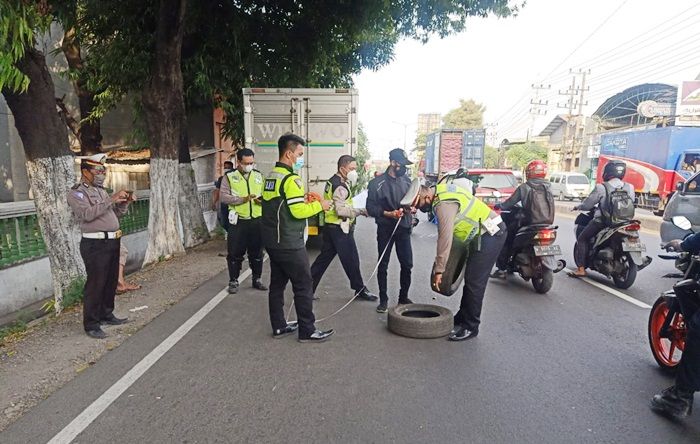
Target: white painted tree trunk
[[164, 237], [193, 226], [50, 179]]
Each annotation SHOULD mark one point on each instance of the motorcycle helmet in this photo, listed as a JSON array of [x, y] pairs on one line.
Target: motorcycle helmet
[[614, 168], [537, 169]]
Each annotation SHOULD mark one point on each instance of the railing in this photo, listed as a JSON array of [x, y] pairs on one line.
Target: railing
[[20, 236]]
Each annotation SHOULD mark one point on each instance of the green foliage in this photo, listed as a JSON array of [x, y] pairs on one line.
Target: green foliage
[[419, 145], [520, 155], [19, 326], [362, 156], [73, 295], [469, 114], [490, 157]]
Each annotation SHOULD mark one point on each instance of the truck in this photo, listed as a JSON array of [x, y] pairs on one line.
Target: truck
[[450, 149], [657, 160], [325, 118]]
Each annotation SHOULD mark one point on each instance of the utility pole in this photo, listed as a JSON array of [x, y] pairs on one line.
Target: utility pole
[[537, 108], [491, 133], [568, 150]]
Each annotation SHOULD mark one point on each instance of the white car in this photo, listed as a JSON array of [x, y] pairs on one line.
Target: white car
[[570, 186]]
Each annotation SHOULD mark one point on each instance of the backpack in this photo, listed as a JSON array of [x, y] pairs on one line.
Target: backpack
[[539, 205], [619, 205]]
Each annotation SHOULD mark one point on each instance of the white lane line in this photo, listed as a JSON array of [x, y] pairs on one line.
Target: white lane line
[[82, 421], [612, 291]]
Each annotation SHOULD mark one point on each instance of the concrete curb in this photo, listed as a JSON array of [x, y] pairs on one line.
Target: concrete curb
[[649, 221]]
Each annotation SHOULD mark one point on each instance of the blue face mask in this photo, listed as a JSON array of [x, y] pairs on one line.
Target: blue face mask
[[299, 163]]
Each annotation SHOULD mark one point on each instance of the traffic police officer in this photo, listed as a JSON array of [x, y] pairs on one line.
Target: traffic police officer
[[284, 213], [241, 191], [468, 220], [98, 212], [338, 233]]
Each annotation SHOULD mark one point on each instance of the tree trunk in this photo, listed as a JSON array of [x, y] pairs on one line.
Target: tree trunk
[[51, 169], [164, 108], [194, 227]]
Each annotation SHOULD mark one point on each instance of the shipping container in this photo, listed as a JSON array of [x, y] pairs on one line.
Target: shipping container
[[473, 143], [450, 149]]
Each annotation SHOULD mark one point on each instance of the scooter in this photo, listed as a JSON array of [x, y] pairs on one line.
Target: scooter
[[532, 254], [616, 251], [666, 328]]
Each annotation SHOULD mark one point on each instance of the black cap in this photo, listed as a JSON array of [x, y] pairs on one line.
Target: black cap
[[400, 156]]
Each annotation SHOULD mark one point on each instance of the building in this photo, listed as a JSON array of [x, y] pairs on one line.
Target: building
[[569, 139], [429, 122]]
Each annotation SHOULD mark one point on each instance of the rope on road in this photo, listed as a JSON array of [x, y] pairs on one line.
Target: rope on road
[[376, 267]]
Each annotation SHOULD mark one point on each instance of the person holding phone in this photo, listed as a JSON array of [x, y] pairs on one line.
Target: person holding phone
[[241, 191]]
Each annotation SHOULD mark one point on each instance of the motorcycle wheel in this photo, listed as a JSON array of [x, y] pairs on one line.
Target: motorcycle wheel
[[624, 282], [544, 283], [666, 351]]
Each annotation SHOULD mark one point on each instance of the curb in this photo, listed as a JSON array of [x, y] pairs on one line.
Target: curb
[[649, 222]]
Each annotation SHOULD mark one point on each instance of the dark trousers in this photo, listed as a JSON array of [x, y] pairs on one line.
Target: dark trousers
[[101, 258], [688, 373], [476, 277], [583, 241], [222, 215], [402, 241], [244, 237], [291, 265], [337, 242], [513, 224]]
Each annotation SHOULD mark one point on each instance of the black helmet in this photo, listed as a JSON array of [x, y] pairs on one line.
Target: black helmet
[[614, 168]]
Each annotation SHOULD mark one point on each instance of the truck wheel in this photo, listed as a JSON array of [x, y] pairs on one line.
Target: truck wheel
[[544, 283], [420, 321], [626, 280]]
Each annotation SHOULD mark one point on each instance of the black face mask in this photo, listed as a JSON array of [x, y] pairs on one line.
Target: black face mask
[[400, 170]]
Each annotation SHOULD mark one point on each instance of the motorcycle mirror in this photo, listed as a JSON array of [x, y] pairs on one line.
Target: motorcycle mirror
[[681, 222]]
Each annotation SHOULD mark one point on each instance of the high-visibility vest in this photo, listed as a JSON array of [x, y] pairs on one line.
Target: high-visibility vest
[[242, 186], [472, 211], [330, 216]]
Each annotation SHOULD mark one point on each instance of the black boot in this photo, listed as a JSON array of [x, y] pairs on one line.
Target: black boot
[[673, 402], [258, 285]]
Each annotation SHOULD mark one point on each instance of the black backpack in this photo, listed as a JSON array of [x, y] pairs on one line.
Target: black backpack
[[619, 205], [539, 205]]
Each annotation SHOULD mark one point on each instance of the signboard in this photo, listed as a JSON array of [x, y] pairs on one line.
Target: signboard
[[688, 104], [651, 109]]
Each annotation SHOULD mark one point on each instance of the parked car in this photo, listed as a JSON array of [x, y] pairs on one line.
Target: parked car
[[570, 186], [684, 202], [493, 186]]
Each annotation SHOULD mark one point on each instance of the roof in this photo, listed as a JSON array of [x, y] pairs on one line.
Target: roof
[[555, 124], [621, 108]]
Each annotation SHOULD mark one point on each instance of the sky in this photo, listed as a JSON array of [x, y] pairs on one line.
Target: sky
[[495, 61]]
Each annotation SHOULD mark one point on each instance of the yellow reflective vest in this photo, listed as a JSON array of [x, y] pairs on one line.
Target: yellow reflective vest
[[472, 211], [330, 216], [242, 186]]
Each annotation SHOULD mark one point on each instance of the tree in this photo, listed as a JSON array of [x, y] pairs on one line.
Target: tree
[[490, 157], [362, 156], [419, 145], [28, 89], [520, 155], [469, 114]]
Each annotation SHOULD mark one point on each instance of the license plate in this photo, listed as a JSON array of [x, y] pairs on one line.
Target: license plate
[[547, 250], [633, 246]]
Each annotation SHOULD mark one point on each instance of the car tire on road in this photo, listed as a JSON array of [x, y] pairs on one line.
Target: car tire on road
[[421, 321]]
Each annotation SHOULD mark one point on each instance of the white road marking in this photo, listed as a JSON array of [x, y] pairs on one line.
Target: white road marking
[[82, 421], [612, 291]]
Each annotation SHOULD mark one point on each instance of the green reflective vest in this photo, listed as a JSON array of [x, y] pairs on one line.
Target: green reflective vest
[[472, 211], [284, 209], [330, 216], [240, 186]]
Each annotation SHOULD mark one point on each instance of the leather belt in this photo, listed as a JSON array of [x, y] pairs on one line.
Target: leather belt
[[104, 235]]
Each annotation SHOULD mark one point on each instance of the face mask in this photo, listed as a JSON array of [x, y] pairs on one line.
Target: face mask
[[352, 177], [299, 163], [247, 168], [99, 180], [400, 170]]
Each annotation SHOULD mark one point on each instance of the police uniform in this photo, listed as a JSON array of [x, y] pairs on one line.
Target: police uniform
[[244, 237], [284, 211], [99, 247], [462, 218], [337, 239]]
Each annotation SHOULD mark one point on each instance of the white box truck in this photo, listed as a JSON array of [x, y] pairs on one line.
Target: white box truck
[[325, 118]]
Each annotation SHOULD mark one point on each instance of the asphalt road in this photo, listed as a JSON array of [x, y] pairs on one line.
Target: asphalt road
[[572, 366]]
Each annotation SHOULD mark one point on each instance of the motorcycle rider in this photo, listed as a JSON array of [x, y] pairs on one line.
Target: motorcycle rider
[[535, 173], [613, 173], [677, 400]]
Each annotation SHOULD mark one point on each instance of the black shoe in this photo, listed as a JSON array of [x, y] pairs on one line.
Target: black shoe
[[382, 307], [282, 332], [317, 336], [113, 320], [460, 333], [365, 295], [233, 287], [257, 284], [673, 403], [405, 301], [499, 274], [96, 333]]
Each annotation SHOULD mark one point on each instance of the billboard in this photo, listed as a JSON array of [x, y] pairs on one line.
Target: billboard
[[688, 104]]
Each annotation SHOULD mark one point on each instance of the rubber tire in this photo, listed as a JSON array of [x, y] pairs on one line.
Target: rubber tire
[[626, 283], [455, 268], [662, 364], [421, 328], [544, 284]]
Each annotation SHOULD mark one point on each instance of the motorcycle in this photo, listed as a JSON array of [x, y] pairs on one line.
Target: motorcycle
[[666, 328], [616, 251], [532, 254]]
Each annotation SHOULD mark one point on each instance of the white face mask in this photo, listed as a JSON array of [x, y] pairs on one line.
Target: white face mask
[[352, 177], [248, 168]]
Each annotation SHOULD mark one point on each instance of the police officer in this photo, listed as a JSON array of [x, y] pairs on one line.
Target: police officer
[[284, 214], [221, 208], [338, 233], [468, 220], [97, 213], [384, 194], [241, 191]]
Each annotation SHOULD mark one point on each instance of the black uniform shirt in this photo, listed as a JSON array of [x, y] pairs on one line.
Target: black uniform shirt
[[384, 193]]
